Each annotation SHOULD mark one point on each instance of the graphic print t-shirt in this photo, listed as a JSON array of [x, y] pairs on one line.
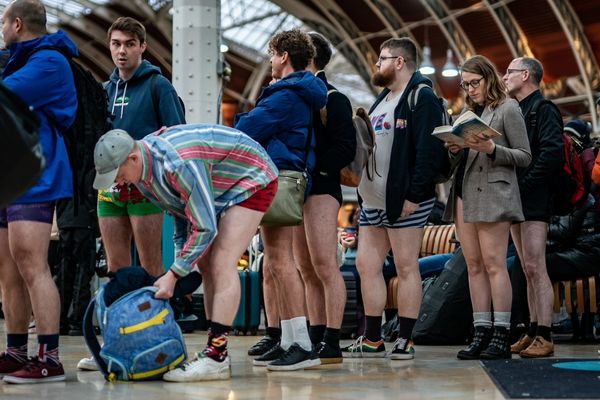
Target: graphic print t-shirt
[[382, 119]]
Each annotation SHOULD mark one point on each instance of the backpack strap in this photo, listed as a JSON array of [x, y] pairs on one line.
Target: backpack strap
[[91, 340], [413, 96]]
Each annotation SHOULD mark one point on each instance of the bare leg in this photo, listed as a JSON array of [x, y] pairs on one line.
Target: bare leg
[[321, 234], [15, 298], [372, 248], [147, 232], [116, 236], [28, 244], [479, 283], [315, 294], [406, 245]]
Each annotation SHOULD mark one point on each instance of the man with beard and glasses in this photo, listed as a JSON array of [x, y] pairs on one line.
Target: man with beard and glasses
[[399, 198]]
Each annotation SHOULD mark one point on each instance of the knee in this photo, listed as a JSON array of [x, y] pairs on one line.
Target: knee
[[367, 270], [404, 273], [308, 275], [475, 267]]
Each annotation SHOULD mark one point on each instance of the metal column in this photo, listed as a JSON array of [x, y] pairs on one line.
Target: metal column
[[197, 60]]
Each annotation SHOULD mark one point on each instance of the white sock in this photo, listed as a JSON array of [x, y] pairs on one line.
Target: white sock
[[300, 333], [502, 319], [482, 319], [287, 334]]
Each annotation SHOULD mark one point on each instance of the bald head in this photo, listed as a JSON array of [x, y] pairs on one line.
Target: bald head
[[30, 13]]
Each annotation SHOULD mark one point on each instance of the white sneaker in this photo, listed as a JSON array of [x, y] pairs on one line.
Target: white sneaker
[[88, 364], [200, 369]]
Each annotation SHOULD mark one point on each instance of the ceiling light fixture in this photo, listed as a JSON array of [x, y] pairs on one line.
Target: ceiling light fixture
[[449, 70]]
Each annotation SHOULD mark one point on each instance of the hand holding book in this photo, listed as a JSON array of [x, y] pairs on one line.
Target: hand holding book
[[467, 131]]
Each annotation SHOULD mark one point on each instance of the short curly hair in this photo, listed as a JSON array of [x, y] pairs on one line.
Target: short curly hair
[[297, 44]]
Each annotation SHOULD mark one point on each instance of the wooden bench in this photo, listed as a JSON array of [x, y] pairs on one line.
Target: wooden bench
[[572, 293], [437, 239], [580, 300]]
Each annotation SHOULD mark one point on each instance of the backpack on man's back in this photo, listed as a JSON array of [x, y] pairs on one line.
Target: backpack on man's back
[[570, 181], [351, 174]]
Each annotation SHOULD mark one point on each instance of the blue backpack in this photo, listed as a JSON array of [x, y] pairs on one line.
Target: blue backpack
[[142, 341]]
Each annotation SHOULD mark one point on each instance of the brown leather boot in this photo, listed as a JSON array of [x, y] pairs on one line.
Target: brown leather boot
[[523, 343], [539, 348]]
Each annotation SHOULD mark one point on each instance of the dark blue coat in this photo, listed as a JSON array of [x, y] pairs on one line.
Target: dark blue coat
[[281, 120]]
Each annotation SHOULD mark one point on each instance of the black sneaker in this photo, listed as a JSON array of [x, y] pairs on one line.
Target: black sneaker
[[329, 354], [295, 358], [263, 345], [269, 356]]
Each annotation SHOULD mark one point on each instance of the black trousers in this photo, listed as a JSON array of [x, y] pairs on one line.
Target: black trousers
[[74, 274]]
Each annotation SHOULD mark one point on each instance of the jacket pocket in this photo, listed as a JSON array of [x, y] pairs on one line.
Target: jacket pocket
[[499, 176]]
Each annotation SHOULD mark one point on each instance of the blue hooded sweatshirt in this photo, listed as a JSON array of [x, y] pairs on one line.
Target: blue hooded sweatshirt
[[45, 82], [136, 108], [282, 117]]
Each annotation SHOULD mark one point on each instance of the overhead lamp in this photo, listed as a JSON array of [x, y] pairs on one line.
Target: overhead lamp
[[427, 67], [449, 70], [224, 48]]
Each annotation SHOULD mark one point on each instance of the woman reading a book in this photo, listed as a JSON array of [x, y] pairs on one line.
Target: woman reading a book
[[484, 200]]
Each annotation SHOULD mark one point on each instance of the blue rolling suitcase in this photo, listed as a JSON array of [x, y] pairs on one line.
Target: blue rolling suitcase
[[248, 315]]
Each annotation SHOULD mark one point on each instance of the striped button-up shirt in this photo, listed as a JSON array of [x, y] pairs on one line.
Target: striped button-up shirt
[[196, 172]]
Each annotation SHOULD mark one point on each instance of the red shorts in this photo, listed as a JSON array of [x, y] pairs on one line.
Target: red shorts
[[261, 200]]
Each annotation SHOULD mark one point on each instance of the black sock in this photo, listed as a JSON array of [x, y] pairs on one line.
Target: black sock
[[373, 328], [544, 331], [316, 333], [533, 326], [332, 337], [406, 327], [274, 333]]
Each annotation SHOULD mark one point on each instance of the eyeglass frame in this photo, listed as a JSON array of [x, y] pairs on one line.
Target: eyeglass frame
[[511, 70], [474, 83], [381, 59]]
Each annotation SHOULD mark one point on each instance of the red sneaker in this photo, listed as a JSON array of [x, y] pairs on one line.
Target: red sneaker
[[8, 364], [36, 371]]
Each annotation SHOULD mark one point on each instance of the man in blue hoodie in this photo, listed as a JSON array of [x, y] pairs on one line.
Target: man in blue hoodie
[[282, 123], [142, 101], [26, 223]]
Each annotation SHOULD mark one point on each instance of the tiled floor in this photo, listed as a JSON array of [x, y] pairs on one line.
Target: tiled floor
[[434, 374]]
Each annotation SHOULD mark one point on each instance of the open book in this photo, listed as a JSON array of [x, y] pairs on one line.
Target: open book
[[465, 127]]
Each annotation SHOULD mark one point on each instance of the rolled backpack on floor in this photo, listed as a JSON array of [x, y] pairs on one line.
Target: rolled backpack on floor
[[142, 341]]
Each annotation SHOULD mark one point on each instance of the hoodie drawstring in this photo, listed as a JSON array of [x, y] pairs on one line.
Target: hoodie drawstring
[[123, 102], [112, 111]]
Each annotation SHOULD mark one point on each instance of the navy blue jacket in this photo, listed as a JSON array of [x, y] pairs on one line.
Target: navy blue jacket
[[136, 108], [417, 156], [44, 80], [281, 120]]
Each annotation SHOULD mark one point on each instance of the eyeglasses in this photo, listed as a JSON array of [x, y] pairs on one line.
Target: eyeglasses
[[474, 84], [511, 70], [383, 58]]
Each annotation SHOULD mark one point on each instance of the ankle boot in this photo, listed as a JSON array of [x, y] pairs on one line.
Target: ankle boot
[[481, 340], [499, 346]]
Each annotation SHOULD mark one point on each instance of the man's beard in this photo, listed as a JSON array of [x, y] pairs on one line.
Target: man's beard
[[382, 79]]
